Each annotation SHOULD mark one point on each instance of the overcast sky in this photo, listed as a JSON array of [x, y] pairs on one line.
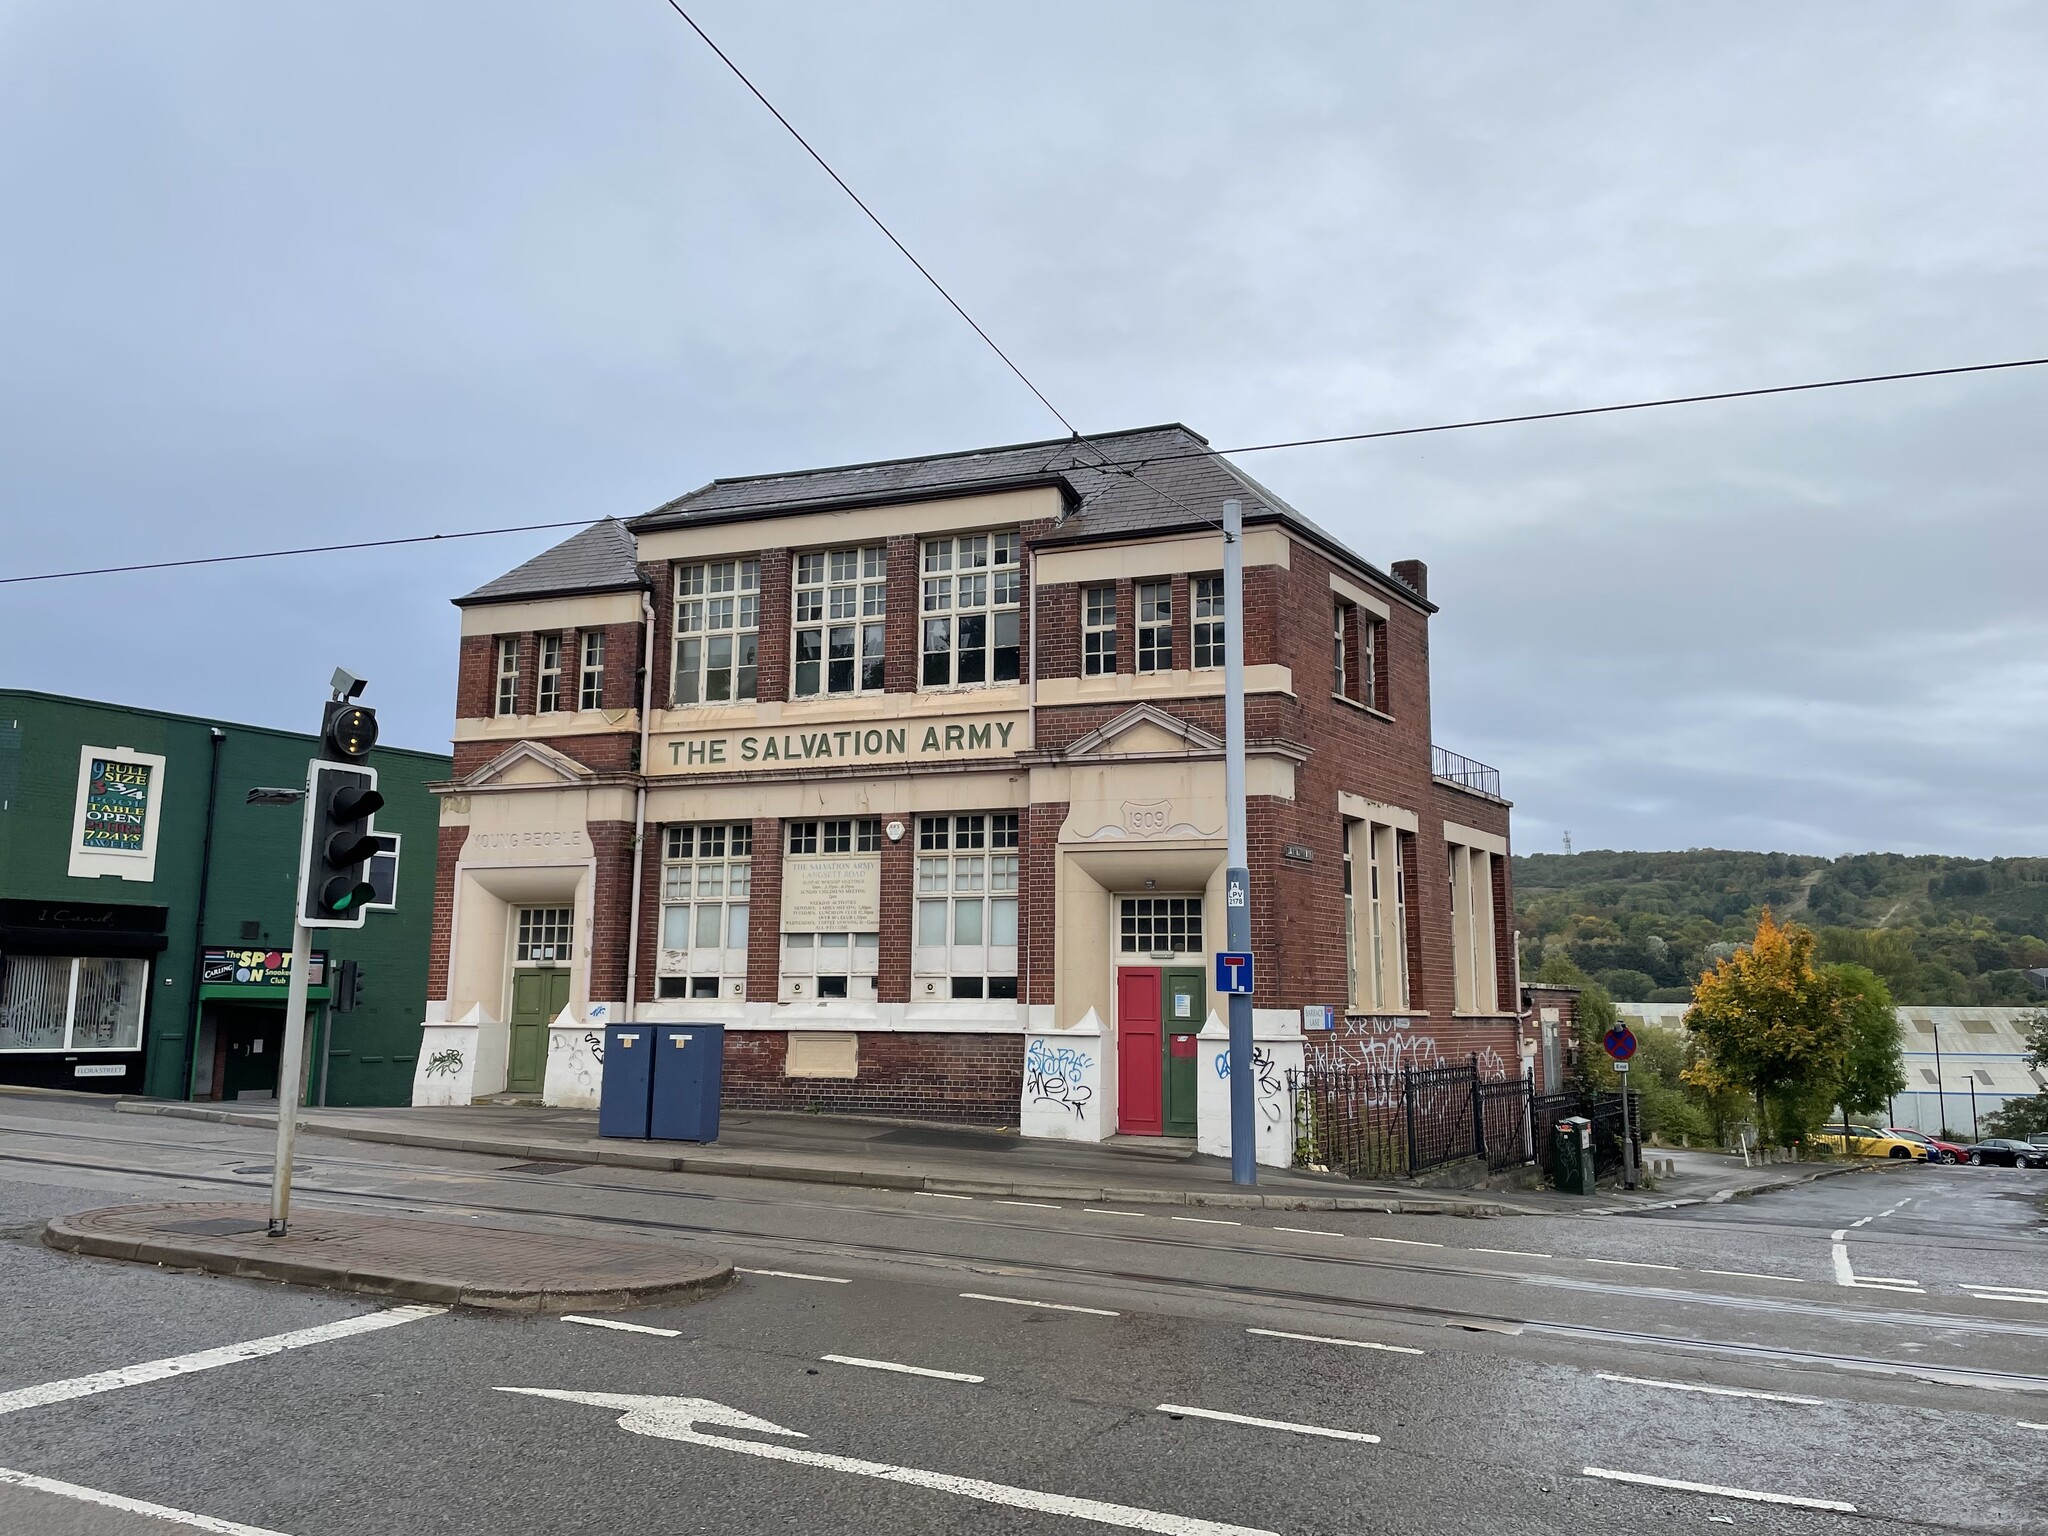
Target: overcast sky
[[285, 273]]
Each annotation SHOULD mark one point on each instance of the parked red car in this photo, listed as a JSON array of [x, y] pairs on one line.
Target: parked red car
[[1937, 1151]]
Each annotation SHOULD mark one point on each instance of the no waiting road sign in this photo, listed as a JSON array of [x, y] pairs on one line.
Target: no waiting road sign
[[1620, 1042]]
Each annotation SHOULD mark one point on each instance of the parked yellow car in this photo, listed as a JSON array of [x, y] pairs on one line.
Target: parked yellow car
[[1868, 1141]]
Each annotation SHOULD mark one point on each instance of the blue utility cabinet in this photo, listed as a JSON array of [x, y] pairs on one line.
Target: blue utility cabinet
[[625, 1095], [689, 1076]]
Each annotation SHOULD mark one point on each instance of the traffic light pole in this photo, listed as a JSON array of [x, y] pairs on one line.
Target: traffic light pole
[[290, 1068], [1237, 880]]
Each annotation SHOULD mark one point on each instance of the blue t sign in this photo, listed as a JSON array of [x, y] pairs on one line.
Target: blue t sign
[[1234, 972]]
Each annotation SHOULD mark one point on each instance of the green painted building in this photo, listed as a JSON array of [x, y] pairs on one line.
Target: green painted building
[[146, 909]]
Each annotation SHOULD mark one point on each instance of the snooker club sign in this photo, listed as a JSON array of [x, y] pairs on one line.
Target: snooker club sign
[[910, 741]]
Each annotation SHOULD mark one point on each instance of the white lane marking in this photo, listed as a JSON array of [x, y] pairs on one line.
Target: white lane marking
[[1693, 1386], [1405, 1242], [1880, 1283], [1097, 1210], [1030, 1205], [1309, 1231], [1050, 1306], [1727, 1493], [933, 1194], [1753, 1274], [2039, 1301], [907, 1370], [1207, 1221], [2027, 1424], [208, 1359], [676, 1418], [133, 1506], [1631, 1263], [1317, 1338], [2003, 1290], [607, 1322], [1859, 1221], [1181, 1409], [1513, 1253], [795, 1274]]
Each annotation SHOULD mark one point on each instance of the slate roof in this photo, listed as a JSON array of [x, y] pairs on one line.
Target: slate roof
[[1163, 479], [599, 558]]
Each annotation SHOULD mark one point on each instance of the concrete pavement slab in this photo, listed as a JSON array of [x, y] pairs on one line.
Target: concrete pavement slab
[[465, 1264]]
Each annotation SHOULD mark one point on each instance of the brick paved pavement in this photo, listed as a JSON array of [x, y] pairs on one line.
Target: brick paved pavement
[[410, 1257]]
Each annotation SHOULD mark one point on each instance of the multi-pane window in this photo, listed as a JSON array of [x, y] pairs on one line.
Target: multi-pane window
[[707, 877], [1383, 986], [1369, 632], [543, 937], [590, 675], [841, 598], [826, 965], [1208, 630], [508, 675], [1155, 626], [72, 1003], [967, 906], [1473, 973], [972, 584], [1098, 631], [1342, 672], [1161, 925], [718, 624], [549, 698]]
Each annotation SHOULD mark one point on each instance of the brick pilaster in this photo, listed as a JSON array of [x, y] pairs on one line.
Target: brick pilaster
[[905, 631], [899, 862], [1038, 829], [764, 916], [772, 684]]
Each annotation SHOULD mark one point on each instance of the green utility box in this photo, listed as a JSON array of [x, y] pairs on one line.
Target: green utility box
[[1571, 1149]]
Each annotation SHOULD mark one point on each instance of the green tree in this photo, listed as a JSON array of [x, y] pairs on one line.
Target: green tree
[[2029, 1116], [1768, 1022], [1875, 1068]]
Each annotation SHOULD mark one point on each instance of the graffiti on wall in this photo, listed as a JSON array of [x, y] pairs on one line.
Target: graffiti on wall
[[446, 1063], [1055, 1075], [1265, 1080]]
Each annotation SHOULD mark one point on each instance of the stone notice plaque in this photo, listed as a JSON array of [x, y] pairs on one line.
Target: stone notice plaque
[[832, 895]]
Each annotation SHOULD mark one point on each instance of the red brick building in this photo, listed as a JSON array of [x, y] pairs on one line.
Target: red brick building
[[911, 774]]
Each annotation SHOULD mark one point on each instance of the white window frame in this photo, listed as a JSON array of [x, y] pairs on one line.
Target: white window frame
[[1153, 601], [590, 670], [829, 967], [1206, 633], [707, 867], [506, 700], [969, 872], [1340, 645], [1098, 630], [971, 581], [717, 609], [547, 688], [534, 928], [839, 596], [1475, 981], [1165, 912], [69, 1042]]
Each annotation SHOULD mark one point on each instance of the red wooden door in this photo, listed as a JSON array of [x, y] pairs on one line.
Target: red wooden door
[[1138, 1099]]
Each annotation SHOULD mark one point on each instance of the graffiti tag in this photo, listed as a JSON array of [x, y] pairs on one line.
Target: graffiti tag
[[1053, 1075], [444, 1063]]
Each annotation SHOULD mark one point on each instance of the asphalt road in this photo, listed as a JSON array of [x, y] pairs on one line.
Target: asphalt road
[[1503, 1359]]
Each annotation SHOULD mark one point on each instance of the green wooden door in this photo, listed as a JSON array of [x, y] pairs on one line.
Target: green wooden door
[[538, 998], [1185, 1011]]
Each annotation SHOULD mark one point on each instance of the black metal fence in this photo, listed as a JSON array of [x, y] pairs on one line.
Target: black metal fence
[[1394, 1122], [1604, 1110]]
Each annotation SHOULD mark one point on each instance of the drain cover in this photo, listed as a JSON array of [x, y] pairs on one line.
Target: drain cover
[[217, 1226], [535, 1167]]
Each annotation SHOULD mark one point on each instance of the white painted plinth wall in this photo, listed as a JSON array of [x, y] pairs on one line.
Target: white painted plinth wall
[[1065, 1095], [459, 1062], [1276, 1050], [575, 1065]]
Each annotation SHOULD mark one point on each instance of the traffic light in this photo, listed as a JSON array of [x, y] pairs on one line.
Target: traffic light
[[347, 995], [348, 730], [336, 887]]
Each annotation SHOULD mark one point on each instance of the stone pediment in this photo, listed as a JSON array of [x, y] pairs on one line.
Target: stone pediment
[[528, 762], [1144, 731]]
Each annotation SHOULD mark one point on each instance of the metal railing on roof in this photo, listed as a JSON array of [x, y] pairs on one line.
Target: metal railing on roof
[[1464, 772]]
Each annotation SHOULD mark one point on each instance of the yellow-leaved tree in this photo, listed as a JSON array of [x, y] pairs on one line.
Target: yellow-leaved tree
[[1769, 1023]]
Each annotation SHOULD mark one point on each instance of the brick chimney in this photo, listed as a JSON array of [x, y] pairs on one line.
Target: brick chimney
[[1415, 574]]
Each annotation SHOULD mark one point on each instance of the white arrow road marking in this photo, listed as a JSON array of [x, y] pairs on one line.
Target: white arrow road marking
[[1750, 1494], [1244, 1418], [207, 1359], [1050, 1306], [606, 1322], [1317, 1338], [677, 1418], [907, 1370], [132, 1506], [1693, 1386]]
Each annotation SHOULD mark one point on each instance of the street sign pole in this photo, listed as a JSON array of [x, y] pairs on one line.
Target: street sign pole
[[1628, 1141], [1237, 880], [292, 1061]]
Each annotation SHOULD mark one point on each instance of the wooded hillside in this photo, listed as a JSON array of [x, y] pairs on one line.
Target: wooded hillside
[[1939, 930]]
